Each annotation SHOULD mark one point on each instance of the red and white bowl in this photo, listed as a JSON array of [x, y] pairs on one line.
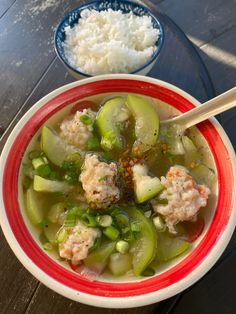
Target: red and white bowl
[[104, 293]]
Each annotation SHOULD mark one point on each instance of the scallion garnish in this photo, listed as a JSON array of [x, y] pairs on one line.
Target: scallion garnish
[[97, 244], [71, 177], [163, 201], [76, 159], [37, 162], [86, 119], [62, 235], [44, 171], [93, 143], [44, 223], [104, 220], [111, 232], [159, 224], [88, 220], [121, 218], [68, 165], [104, 157], [71, 217], [136, 227], [122, 246]]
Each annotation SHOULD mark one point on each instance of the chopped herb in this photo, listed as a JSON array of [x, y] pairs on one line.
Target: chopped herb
[[111, 232], [104, 220], [103, 179], [37, 162], [86, 119], [68, 165], [159, 224], [44, 171], [53, 175], [62, 235], [44, 223], [76, 158], [163, 201], [125, 230], [144, 207], [130, 236], [93, 143], [88, 220], [136, 235], [71, 217], [122, 246], [97, 244], [121, 218], [136, 227], [104, 157], [71, 177]]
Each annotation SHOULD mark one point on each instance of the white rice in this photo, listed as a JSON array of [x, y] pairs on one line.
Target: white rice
[[110, 42]]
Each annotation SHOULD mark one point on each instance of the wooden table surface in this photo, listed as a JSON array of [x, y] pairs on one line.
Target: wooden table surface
[[29, 70]]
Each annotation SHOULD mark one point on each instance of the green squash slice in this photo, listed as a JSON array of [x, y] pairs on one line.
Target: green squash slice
[[98, 259], [111, 113], [34, 206], [54, 147], [146, 122], [144, 248]]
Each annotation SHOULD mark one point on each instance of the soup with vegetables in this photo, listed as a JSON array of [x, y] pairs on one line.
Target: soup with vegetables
[[110, 190]]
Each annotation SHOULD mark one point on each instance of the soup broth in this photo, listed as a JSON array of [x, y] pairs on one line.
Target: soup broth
[[109, 192]]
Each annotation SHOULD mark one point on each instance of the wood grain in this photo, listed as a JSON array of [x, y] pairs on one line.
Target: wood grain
[[5, 5], [16, 285], [26, 50], [47, 302]]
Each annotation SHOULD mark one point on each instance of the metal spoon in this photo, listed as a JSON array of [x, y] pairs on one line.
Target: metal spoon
[[208, 109]]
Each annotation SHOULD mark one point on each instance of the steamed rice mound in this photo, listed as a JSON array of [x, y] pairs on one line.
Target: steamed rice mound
[[110, 42]]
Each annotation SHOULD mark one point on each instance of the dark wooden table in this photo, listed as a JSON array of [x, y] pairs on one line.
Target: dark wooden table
[[29, 70]]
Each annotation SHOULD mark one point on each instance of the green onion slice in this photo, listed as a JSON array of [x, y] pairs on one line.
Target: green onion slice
[[88, 220], [111, 232], [86, 119]]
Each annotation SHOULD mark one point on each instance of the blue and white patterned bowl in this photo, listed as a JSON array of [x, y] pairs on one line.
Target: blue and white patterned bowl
[[125, 6]]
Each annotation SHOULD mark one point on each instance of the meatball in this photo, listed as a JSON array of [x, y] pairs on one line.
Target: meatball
[[184, 197], [77, 130], [80, 239], [99, 181]]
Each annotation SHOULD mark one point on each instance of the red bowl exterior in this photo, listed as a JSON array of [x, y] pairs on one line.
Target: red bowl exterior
[[99, 288]]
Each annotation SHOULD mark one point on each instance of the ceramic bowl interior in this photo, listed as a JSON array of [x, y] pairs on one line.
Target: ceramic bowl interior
[[123, 292], [125, 6]]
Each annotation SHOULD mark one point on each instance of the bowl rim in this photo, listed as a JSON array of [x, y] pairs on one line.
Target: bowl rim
[[84, 6], [107, 301]]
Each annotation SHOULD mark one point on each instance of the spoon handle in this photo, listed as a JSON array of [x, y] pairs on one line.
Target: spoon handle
[[210, 108]]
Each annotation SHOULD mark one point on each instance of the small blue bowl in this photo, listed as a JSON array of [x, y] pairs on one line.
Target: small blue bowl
[[125, 6]]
